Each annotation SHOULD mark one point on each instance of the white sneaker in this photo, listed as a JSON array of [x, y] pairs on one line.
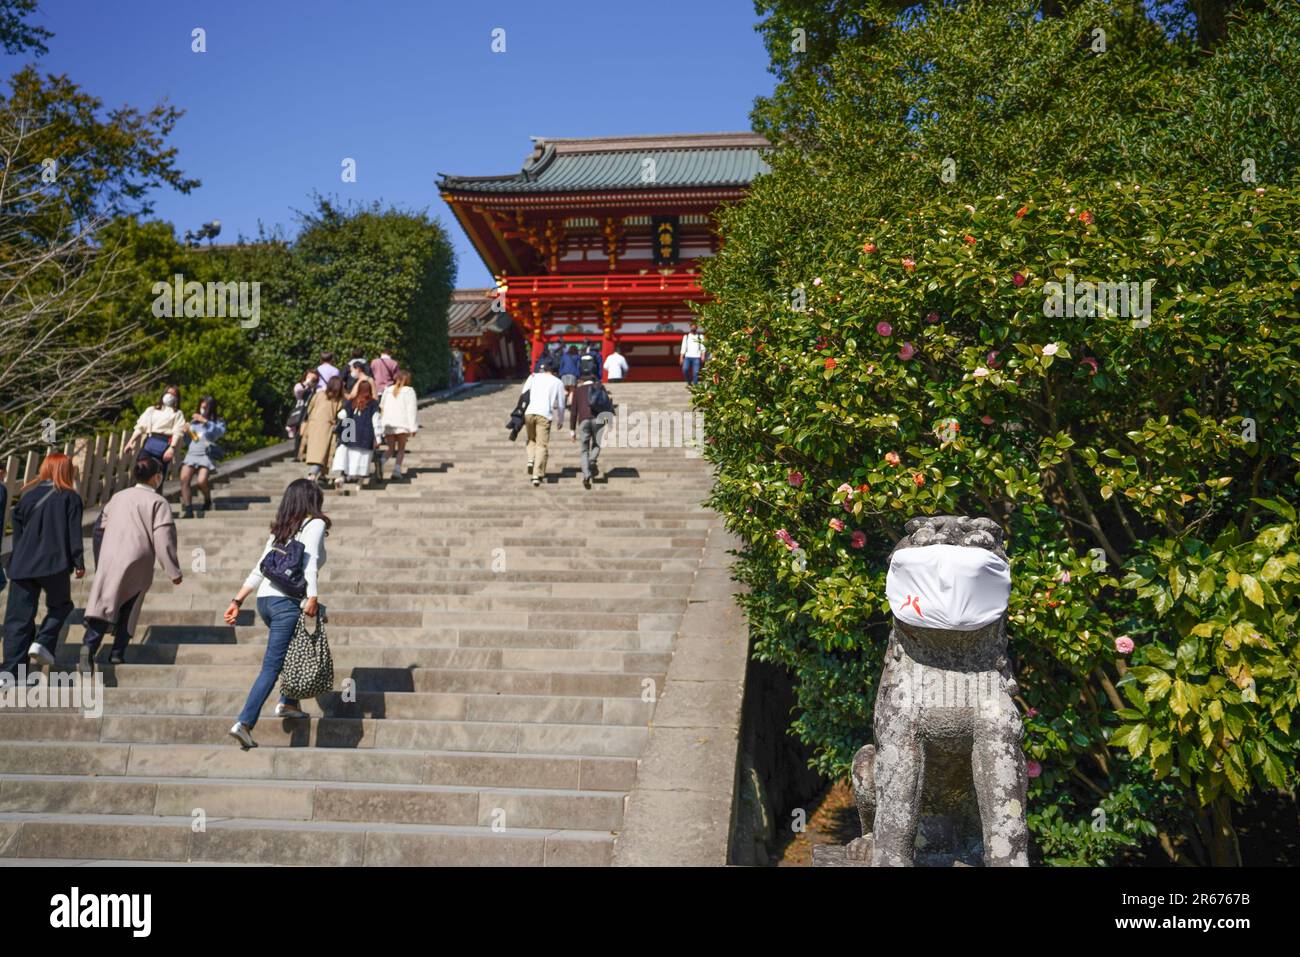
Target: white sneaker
[[397, 472], [40, 655], [240, 734], [284, 711]]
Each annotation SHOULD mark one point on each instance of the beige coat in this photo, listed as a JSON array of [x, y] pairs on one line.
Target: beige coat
[[318, 439], [138, 530]]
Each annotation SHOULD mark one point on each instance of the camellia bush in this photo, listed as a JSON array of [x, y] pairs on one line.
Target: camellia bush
[[1106, 365]]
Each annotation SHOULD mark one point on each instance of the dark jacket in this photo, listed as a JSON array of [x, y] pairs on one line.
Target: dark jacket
[[4, 510], [47, 533], [363, 435], [570, 364]]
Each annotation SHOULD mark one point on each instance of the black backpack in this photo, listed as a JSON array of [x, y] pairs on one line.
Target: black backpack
[[599, 399], [284, 566]]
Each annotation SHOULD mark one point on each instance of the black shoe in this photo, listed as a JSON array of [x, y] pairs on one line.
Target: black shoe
[[116, 658], [595, 469], [187, 512], [586, 481], [207, 502], [86, 660]]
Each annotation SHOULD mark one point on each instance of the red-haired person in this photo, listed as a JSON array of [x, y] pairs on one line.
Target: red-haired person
[[47, 550]]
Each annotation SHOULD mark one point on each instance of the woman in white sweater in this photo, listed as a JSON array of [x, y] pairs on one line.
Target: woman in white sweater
[[397, 411], [299, 518]]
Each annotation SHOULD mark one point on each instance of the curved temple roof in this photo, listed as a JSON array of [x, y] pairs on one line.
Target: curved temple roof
[[687, 159]]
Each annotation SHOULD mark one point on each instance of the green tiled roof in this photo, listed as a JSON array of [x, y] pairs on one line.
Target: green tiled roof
[[608, 163]]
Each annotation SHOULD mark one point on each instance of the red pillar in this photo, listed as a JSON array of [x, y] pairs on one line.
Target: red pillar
[[537, 336]]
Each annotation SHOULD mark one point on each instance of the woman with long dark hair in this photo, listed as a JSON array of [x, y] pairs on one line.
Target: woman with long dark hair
[[299, 518], [47, 550]]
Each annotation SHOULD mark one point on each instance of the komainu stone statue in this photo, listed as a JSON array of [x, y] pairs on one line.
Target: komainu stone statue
[[945, 780]]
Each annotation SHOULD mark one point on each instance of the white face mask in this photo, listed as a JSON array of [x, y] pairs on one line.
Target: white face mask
[[169, 400], [948, 586]]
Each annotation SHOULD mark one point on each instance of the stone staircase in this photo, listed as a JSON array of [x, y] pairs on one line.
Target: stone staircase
[[499, 636]]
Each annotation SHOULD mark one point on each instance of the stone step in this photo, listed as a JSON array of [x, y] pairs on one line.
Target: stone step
[[510, 737], [289, 800], [249, 840], [408, 705], [378, 765]]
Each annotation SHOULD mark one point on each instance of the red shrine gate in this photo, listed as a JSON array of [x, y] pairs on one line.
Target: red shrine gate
[[599, 240]]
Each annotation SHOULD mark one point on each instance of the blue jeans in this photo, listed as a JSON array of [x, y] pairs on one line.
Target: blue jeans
[[691, 370], [281, 617]]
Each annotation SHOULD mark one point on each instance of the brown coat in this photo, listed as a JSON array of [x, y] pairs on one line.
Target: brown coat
[[138, 530], [318, 439]]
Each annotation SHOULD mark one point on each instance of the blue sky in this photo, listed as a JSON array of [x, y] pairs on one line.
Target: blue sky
[[288, 88]]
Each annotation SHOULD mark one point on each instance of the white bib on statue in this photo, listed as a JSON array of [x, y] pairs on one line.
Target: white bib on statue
[[948, 586]]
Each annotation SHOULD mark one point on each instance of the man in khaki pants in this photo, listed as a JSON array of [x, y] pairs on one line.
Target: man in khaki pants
[[545, 405]]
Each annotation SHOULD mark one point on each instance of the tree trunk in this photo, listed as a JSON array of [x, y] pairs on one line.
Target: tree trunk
[[1221, 841]]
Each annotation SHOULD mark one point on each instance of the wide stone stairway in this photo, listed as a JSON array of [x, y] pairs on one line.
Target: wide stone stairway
[[501, 639]]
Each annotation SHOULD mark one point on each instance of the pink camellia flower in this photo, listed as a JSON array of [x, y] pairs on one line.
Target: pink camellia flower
[[980, 372], [1091, 363], [1018, 279], [846, 488], [1031, 713], [892, 458], [1124, 645], [831, 363], [986, 419], [795, 479], [932, 317], [848, 504], [884, 328], [1051, 349], [909, 263], [1033, 769], [858, 540], [992, 359], [837, 524], [787, 539], [919, 479], [906, 352], [1065, 578], [868, 247], [817, 281]]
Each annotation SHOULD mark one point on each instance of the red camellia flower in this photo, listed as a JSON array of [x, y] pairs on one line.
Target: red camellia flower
[[830, 363], [907, 351], [932, 318], [1033, 769], [868, 247], [864, 487], [1085, 217], [892, 458], [991, 360], [909, 263], [1020, 213], [1018, 279], [919, 479], [969, 240], [1091, 363], [987, 419], [795, 479], [884, 328], [858, 540]]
